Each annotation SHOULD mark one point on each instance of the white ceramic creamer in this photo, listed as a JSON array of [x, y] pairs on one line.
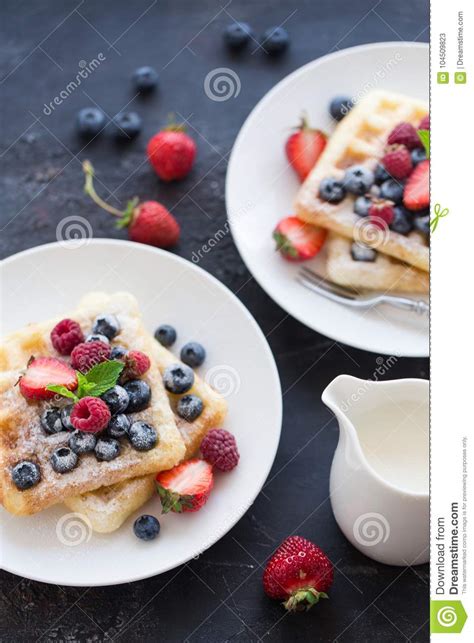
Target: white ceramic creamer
[[379, 482]]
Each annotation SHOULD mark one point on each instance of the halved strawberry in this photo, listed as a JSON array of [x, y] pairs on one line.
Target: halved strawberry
[[304, 147], [185, 487], [416, 195], [297, 240], [43, 371]]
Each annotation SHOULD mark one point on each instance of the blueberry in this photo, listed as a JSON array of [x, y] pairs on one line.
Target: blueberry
[[190, 407], [193, 354], [107, 325], [118, 352], [26, 474], [332, 190], [360, 252], [380, 174], [64, 459], [51, 420], [178, 378], [81, 442], [422, 224], [90, 121], [139, 394], [142, 436], [340, 106], [107, 449], [418, 155], [127, 125], [166, 335], [362, 205], [145, 79], [421, 213], [237, 35], [118, 426], [358, 179], [66, 417], [97, 337], [146, 527], [402, 220], [116, 398], [375, 190], [275, 40], [392, 190]]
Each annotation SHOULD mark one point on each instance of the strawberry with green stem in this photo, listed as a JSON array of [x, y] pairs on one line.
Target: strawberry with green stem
[[147, 221]]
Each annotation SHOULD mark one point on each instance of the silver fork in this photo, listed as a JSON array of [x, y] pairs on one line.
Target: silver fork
[[349, 297]]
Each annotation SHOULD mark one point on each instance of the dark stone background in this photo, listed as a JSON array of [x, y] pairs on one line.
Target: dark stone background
[[217, 597]]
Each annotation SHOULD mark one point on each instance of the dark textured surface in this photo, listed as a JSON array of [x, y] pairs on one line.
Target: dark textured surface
[[217, 597]]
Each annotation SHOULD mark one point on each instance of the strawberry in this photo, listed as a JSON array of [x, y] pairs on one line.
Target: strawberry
[[152, 223], [43, 371], [185, 487], [397, 161], [304, 148], [298, 573], [297, 240], [171, 153], [381, 213], [147, 222], [416, 195]]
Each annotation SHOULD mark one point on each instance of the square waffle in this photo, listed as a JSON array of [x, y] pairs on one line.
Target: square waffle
[[21, 436], [385, 273], [360, 138], [107, 508]]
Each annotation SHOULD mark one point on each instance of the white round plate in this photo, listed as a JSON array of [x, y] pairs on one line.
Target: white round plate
[[261, 187], [48, 281]]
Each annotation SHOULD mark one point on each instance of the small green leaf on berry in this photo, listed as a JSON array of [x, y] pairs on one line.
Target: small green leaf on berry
[[62, 390], [424, 136]]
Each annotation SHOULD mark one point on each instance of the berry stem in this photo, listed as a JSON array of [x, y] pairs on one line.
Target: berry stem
[[303, 599], [89, 189]]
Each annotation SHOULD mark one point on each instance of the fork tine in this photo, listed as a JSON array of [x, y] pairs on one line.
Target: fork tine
[[323, 291], [325, 284]]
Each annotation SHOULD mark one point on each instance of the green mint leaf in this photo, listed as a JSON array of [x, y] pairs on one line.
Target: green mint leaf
[[424, 136], [101, 378], [62, 390]]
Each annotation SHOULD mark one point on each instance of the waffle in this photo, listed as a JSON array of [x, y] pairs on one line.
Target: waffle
[[385, 273], [21, 436], [107, 508], [360, 138]]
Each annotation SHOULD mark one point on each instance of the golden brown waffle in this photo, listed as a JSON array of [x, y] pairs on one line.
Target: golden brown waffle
[[107, 508], [360, 138], [384, 274], [21, 436]]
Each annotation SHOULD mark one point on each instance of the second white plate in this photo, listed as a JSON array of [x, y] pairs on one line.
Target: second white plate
[[260, 187]]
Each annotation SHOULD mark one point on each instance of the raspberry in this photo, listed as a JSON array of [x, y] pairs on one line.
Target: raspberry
[[90, 415], [425, 122], [219, 448], [136, 365], [381, 214], [404, 134], [66, 335], [88, 354], [397, 161]]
